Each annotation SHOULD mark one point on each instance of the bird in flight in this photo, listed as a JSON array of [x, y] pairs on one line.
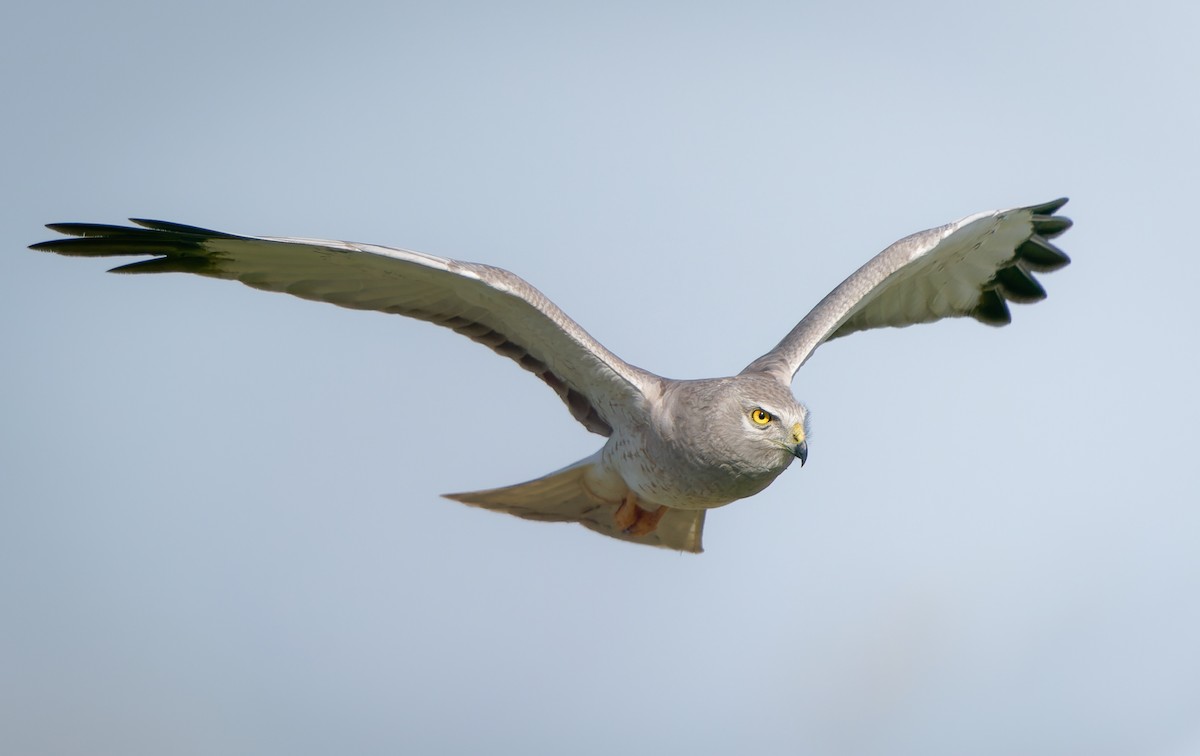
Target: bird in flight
[[674, 448]]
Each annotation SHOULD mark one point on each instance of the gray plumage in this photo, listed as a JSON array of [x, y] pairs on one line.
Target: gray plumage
[[674, 449]]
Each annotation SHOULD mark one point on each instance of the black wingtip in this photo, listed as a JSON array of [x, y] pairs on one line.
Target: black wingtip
[[91, 229], [1040, 255], [149, 237], [1050, 226], [1018, 286], [1015, 283], [186, 264], [181, 228], [131, 242], [992, 309], [1048, 208]]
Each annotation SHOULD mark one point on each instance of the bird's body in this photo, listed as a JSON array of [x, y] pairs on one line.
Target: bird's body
[[674, 448]]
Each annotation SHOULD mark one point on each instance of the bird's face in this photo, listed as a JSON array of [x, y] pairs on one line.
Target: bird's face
[[774, 428], [772, 424]]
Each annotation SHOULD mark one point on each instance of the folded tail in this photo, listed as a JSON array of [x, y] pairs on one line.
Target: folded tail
[[563, 496]]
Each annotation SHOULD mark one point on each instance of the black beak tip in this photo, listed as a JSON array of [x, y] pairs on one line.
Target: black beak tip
[[801, 452]]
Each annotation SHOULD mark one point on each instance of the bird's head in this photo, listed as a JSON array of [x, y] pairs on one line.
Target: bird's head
[[750, 424], [774, 426]]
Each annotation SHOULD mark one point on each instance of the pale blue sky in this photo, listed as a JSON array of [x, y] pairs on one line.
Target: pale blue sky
[[221, 530]]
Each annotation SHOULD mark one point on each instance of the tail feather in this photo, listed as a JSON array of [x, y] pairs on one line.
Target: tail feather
[[563, 496]]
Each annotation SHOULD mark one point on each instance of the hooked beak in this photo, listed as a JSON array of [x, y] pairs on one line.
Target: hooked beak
[[800, 451]]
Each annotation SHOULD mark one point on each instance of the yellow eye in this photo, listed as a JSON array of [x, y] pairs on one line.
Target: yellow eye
[[760, 416]]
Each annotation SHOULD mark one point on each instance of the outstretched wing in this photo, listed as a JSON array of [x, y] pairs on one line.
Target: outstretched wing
[[974, 267], [490, 305]]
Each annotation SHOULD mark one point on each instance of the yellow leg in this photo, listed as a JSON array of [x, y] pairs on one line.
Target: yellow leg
[[646, 521], [634, 520], [627, 513]]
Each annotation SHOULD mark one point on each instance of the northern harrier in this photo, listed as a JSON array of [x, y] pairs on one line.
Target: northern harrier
[[675, 448]]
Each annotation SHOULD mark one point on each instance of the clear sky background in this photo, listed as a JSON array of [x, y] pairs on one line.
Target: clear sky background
[[220, 530]]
